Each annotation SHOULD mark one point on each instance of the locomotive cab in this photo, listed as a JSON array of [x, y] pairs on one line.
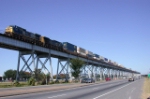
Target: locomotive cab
[[9, 31]]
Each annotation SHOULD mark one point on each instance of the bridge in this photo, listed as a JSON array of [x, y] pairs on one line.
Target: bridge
[[36, 53]]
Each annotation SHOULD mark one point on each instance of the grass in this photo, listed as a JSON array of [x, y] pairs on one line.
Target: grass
[[146, 89], [11, 84], [24, 84]]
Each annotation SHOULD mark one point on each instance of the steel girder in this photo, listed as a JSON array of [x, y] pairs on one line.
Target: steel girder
[[63, 69], [30, 64]]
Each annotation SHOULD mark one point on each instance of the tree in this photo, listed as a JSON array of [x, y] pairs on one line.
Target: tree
[[10, 74], [76, 65], [24, 74]]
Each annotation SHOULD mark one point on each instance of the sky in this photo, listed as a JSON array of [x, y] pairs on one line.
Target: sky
[[116, 29]]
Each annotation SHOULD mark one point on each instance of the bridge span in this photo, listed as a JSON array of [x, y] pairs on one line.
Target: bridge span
[[91, 68]]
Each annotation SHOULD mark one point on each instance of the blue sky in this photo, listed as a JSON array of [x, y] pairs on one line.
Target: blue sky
[[116, 29]]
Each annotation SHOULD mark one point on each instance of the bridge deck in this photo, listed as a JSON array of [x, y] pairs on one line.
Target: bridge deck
[[10, 43]]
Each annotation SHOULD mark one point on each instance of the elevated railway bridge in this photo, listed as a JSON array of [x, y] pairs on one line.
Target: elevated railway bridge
[[92, 68]]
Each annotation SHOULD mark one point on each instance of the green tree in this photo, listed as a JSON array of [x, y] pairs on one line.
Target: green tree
[[76, 65], [24, 74], [10, 74]]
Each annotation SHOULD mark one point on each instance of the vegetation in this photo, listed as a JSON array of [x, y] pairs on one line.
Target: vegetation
[[25, 75], [16, 83], [45, 79], [11, 74], [76, 65], [31, 81], [40, 77], [37, 78], [12, 84], [146, 89]]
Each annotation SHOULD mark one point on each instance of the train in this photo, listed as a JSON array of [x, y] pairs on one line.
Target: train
[[19, 33]]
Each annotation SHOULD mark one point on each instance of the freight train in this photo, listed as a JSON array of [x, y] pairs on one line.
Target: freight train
[[22, 34]]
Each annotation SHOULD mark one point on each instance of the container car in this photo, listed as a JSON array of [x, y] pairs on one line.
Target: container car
[[81, 51], [110, 62], [89, 54], [115, 63], [101, 58], [95, 56], [70, 47], [57, 45], [105, 59]]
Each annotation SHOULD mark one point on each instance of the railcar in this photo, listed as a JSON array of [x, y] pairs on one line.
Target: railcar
[[57, 45], [96, 56], [81, 52], [70, 48], [89, 54], [46, 42]]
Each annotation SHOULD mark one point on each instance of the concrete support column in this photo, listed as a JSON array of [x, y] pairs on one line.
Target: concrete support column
[[117, 74], [33, 59], [95, 72], [51, 68], [17, 77], [112, 73], [101, 73], [108, 72]]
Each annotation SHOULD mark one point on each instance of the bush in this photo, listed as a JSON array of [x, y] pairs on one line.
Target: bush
[[16, 83], [52, 82], [43, 82], [31, 81], [56, 82]]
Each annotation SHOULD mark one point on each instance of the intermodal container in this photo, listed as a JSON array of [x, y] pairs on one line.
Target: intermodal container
[[96, 56], [56, 43], [115, 63], [109, 61], [102, 58], [105, 59], [69, 47], [81, 51], [89, 53]]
